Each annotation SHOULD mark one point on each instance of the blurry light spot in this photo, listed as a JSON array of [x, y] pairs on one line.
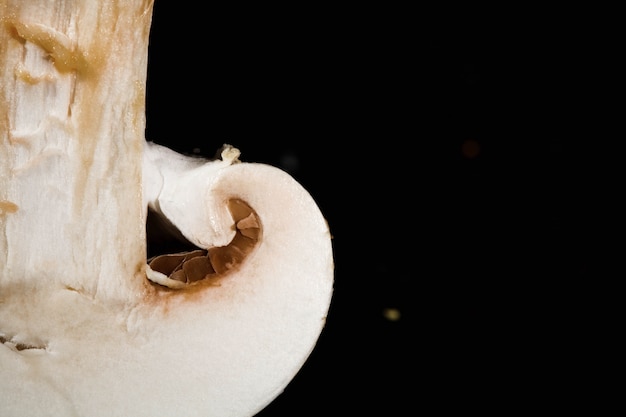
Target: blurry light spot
[[392, 314], [470, 149], [196, 150], [289, 162]]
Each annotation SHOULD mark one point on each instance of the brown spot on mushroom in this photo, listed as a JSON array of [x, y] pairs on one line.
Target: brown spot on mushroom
[[7, 207], [60, 48], [19, 346], [201, 264]]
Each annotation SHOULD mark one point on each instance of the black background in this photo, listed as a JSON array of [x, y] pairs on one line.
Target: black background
[[406, 139]]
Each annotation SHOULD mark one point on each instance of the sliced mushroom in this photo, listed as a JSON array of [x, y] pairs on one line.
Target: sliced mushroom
[[89, 327]]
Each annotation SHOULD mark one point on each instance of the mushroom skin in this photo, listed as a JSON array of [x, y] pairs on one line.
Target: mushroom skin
[[178, 188]]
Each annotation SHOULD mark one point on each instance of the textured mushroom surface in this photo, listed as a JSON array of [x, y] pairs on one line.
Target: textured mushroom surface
[[89, 326], [195, 265], [223, 342]]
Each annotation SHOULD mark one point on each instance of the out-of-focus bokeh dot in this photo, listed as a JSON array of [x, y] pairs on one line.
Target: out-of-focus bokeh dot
[[470, 148], [392, 314]]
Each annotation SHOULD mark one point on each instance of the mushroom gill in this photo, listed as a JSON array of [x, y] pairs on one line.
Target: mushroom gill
[[177, 270]]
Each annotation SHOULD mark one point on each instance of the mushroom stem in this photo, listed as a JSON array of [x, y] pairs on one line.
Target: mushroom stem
[[72, 94]]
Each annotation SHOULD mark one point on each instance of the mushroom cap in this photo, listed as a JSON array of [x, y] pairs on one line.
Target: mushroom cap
[[222, 347]]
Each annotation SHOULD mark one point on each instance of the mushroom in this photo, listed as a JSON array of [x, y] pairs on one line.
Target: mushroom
[[89, 326]]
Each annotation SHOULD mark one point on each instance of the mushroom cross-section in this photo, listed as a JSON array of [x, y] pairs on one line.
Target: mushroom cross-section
[[89, 325]]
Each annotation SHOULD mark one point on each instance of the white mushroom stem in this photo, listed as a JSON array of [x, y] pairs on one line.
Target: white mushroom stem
[[72, 121]]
